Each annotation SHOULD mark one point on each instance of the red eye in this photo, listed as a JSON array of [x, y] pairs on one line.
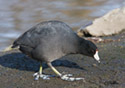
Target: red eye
[[93, 51], [96, 49]]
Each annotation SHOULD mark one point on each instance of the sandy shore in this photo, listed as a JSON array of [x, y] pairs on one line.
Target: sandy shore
[[16, 69]]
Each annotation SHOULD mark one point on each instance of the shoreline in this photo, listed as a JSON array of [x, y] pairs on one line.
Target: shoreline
[[16, 69]]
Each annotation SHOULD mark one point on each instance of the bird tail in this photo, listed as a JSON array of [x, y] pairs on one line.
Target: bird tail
[[10, 47], [14, 45]]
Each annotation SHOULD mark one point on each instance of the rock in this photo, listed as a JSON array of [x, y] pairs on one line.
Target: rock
[[111, 23]]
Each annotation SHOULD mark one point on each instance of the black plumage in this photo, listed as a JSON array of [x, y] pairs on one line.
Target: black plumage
[[50, 40]]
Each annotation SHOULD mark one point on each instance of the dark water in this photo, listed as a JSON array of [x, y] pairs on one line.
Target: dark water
[[16, 16]]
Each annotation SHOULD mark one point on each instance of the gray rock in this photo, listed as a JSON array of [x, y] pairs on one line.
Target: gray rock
[[111, 23]]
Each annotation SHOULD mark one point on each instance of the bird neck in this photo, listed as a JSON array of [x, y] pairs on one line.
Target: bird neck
[[81, 46]]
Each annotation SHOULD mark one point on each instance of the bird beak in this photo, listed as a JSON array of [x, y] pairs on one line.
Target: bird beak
[[96, 56]]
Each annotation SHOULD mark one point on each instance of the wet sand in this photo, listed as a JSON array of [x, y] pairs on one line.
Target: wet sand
[[16, 69]]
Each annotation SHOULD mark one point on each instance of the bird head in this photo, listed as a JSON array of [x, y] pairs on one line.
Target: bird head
[[90, 49]]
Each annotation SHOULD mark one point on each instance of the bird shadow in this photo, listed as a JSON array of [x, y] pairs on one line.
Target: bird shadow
[[22, 62]]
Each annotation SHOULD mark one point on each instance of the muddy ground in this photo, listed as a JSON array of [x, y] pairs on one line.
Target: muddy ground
[[16, 69]]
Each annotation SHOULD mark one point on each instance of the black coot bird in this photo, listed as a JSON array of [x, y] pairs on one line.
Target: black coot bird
[[50, 40]]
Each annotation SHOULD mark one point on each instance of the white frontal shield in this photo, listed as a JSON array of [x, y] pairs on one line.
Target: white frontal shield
[[96, 56]]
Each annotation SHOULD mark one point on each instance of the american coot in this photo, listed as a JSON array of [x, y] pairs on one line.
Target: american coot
[[50, 40]]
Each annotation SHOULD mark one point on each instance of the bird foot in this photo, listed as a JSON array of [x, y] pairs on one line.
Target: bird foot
[[68, 77], [45, 77]]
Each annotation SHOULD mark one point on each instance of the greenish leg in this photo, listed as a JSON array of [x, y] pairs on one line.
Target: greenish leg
[[39, 74], [40, 69], [66, 77], [57, 72]]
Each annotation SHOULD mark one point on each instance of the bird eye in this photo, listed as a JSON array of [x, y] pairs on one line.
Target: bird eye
[[93, 51], [96, 49]]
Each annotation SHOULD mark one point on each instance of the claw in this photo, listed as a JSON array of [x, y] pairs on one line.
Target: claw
[[35, 74], [45, 77], [68, 77]]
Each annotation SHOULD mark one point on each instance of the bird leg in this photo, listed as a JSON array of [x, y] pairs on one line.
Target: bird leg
[[39, 74], [66, 77]]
